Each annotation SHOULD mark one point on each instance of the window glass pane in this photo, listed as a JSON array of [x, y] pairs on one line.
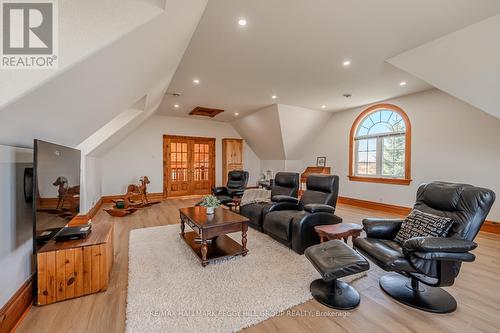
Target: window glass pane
[[362, 131], [372, 156], [380, 128], [372, 169], [381, 122], [362, 169], [393, 157], [362, 156], [390, 153], [385, 115], [362, 145], [372, 144]]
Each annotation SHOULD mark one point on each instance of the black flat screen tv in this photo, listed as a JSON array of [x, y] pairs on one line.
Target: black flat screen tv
[[56, 188]]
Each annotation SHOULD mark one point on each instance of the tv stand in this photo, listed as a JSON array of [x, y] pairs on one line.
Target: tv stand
[[75, 268]]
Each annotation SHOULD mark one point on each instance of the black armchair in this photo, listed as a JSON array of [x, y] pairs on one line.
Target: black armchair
[[433, 261], [292, 222], [236, 183], [286, 185]]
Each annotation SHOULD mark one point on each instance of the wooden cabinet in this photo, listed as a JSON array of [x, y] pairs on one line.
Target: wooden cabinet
[[75, 268], [232, 156]]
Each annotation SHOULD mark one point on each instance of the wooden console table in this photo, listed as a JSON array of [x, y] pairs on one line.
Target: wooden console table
[[75, 268]]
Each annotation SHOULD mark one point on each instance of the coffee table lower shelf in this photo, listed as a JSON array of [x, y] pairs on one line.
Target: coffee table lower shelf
[[221, 247]]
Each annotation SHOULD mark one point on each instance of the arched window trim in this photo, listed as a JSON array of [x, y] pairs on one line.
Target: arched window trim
[[398, 181]]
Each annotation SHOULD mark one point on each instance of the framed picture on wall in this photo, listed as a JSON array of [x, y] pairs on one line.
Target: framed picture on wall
[[321, 162]]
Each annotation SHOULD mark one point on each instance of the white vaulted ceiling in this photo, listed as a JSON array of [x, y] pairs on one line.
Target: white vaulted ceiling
[[465, 64], [75, 102], [279, 131], [85, 26], [295, 49]]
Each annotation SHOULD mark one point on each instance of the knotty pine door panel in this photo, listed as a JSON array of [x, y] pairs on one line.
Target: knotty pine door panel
[[188, 165]]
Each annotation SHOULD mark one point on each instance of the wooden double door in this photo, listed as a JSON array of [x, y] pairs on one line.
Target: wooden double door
[[188, 165]]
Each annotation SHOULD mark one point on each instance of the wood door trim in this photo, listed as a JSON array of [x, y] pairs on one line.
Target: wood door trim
[[166, 178]]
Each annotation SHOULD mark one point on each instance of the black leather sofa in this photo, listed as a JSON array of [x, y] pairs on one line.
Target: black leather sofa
[[236, 183], [292, 222], [433, 261], [285, 183]]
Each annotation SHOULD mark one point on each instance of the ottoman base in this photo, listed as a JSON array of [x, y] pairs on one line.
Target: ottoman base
[[335, 294]]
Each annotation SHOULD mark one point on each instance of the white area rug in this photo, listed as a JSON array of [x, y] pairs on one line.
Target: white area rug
[[169, 290]]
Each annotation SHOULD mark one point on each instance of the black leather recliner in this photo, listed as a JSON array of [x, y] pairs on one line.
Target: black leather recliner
[[292, 222], [433, 261], [285, 183], [236, 183]]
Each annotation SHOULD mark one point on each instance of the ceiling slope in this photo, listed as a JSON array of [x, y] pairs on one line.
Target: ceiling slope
[[298, 127], [465, 64], [295, 49], [280, 132], [125, 123], [262, 132], [73, 105], [85, 26]]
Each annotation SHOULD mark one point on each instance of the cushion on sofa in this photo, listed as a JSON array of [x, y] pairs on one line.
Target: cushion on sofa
[[420, 224]]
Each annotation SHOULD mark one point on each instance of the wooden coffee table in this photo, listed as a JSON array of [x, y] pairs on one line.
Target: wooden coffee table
[[338, 231], [209, 238]]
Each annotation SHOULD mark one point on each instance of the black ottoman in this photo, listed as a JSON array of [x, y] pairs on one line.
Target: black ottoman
[[335, 259]]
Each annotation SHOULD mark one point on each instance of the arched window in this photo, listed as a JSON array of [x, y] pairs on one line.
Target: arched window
[[380, 146]]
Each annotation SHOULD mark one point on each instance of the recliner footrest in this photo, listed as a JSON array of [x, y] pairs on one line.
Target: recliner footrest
[[335, 259]]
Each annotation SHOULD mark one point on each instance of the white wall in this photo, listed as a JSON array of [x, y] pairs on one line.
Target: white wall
[[16, 222], [262, 131], [465, 64], [91, 190], [78, 101], [451, 141], [141, 153], [298, 127]]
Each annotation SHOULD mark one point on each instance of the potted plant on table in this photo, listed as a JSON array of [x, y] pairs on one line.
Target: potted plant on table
[[210, 202]]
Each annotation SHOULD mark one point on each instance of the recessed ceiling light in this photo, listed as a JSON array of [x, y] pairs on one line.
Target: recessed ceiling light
[[402, 84], [196, 81], [323, 106], [236, 114], [242, 22], [346, 63], [274, 96], [176, 106]]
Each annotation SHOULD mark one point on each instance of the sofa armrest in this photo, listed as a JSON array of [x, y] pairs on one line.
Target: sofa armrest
[[319, 208], [446, 256], [236, 193], [382, 228], [303, 233], [284, 198], [438, 244], [220, 190], [277, 206]]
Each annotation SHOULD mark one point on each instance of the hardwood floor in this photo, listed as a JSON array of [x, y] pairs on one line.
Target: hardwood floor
[[477, 291]]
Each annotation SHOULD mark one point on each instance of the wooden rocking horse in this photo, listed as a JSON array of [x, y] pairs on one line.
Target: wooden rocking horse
[[67, 194], [127, 205]]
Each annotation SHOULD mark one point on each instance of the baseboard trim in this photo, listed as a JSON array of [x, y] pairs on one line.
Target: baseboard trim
[[18, 305], [488, 226], [106, 199], [388, 208]]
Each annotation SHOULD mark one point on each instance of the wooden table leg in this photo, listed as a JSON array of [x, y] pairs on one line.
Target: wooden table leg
[[244, 240], [204, 250]]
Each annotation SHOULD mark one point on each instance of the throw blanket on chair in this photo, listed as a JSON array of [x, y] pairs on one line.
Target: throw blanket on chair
[[255, 195]]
